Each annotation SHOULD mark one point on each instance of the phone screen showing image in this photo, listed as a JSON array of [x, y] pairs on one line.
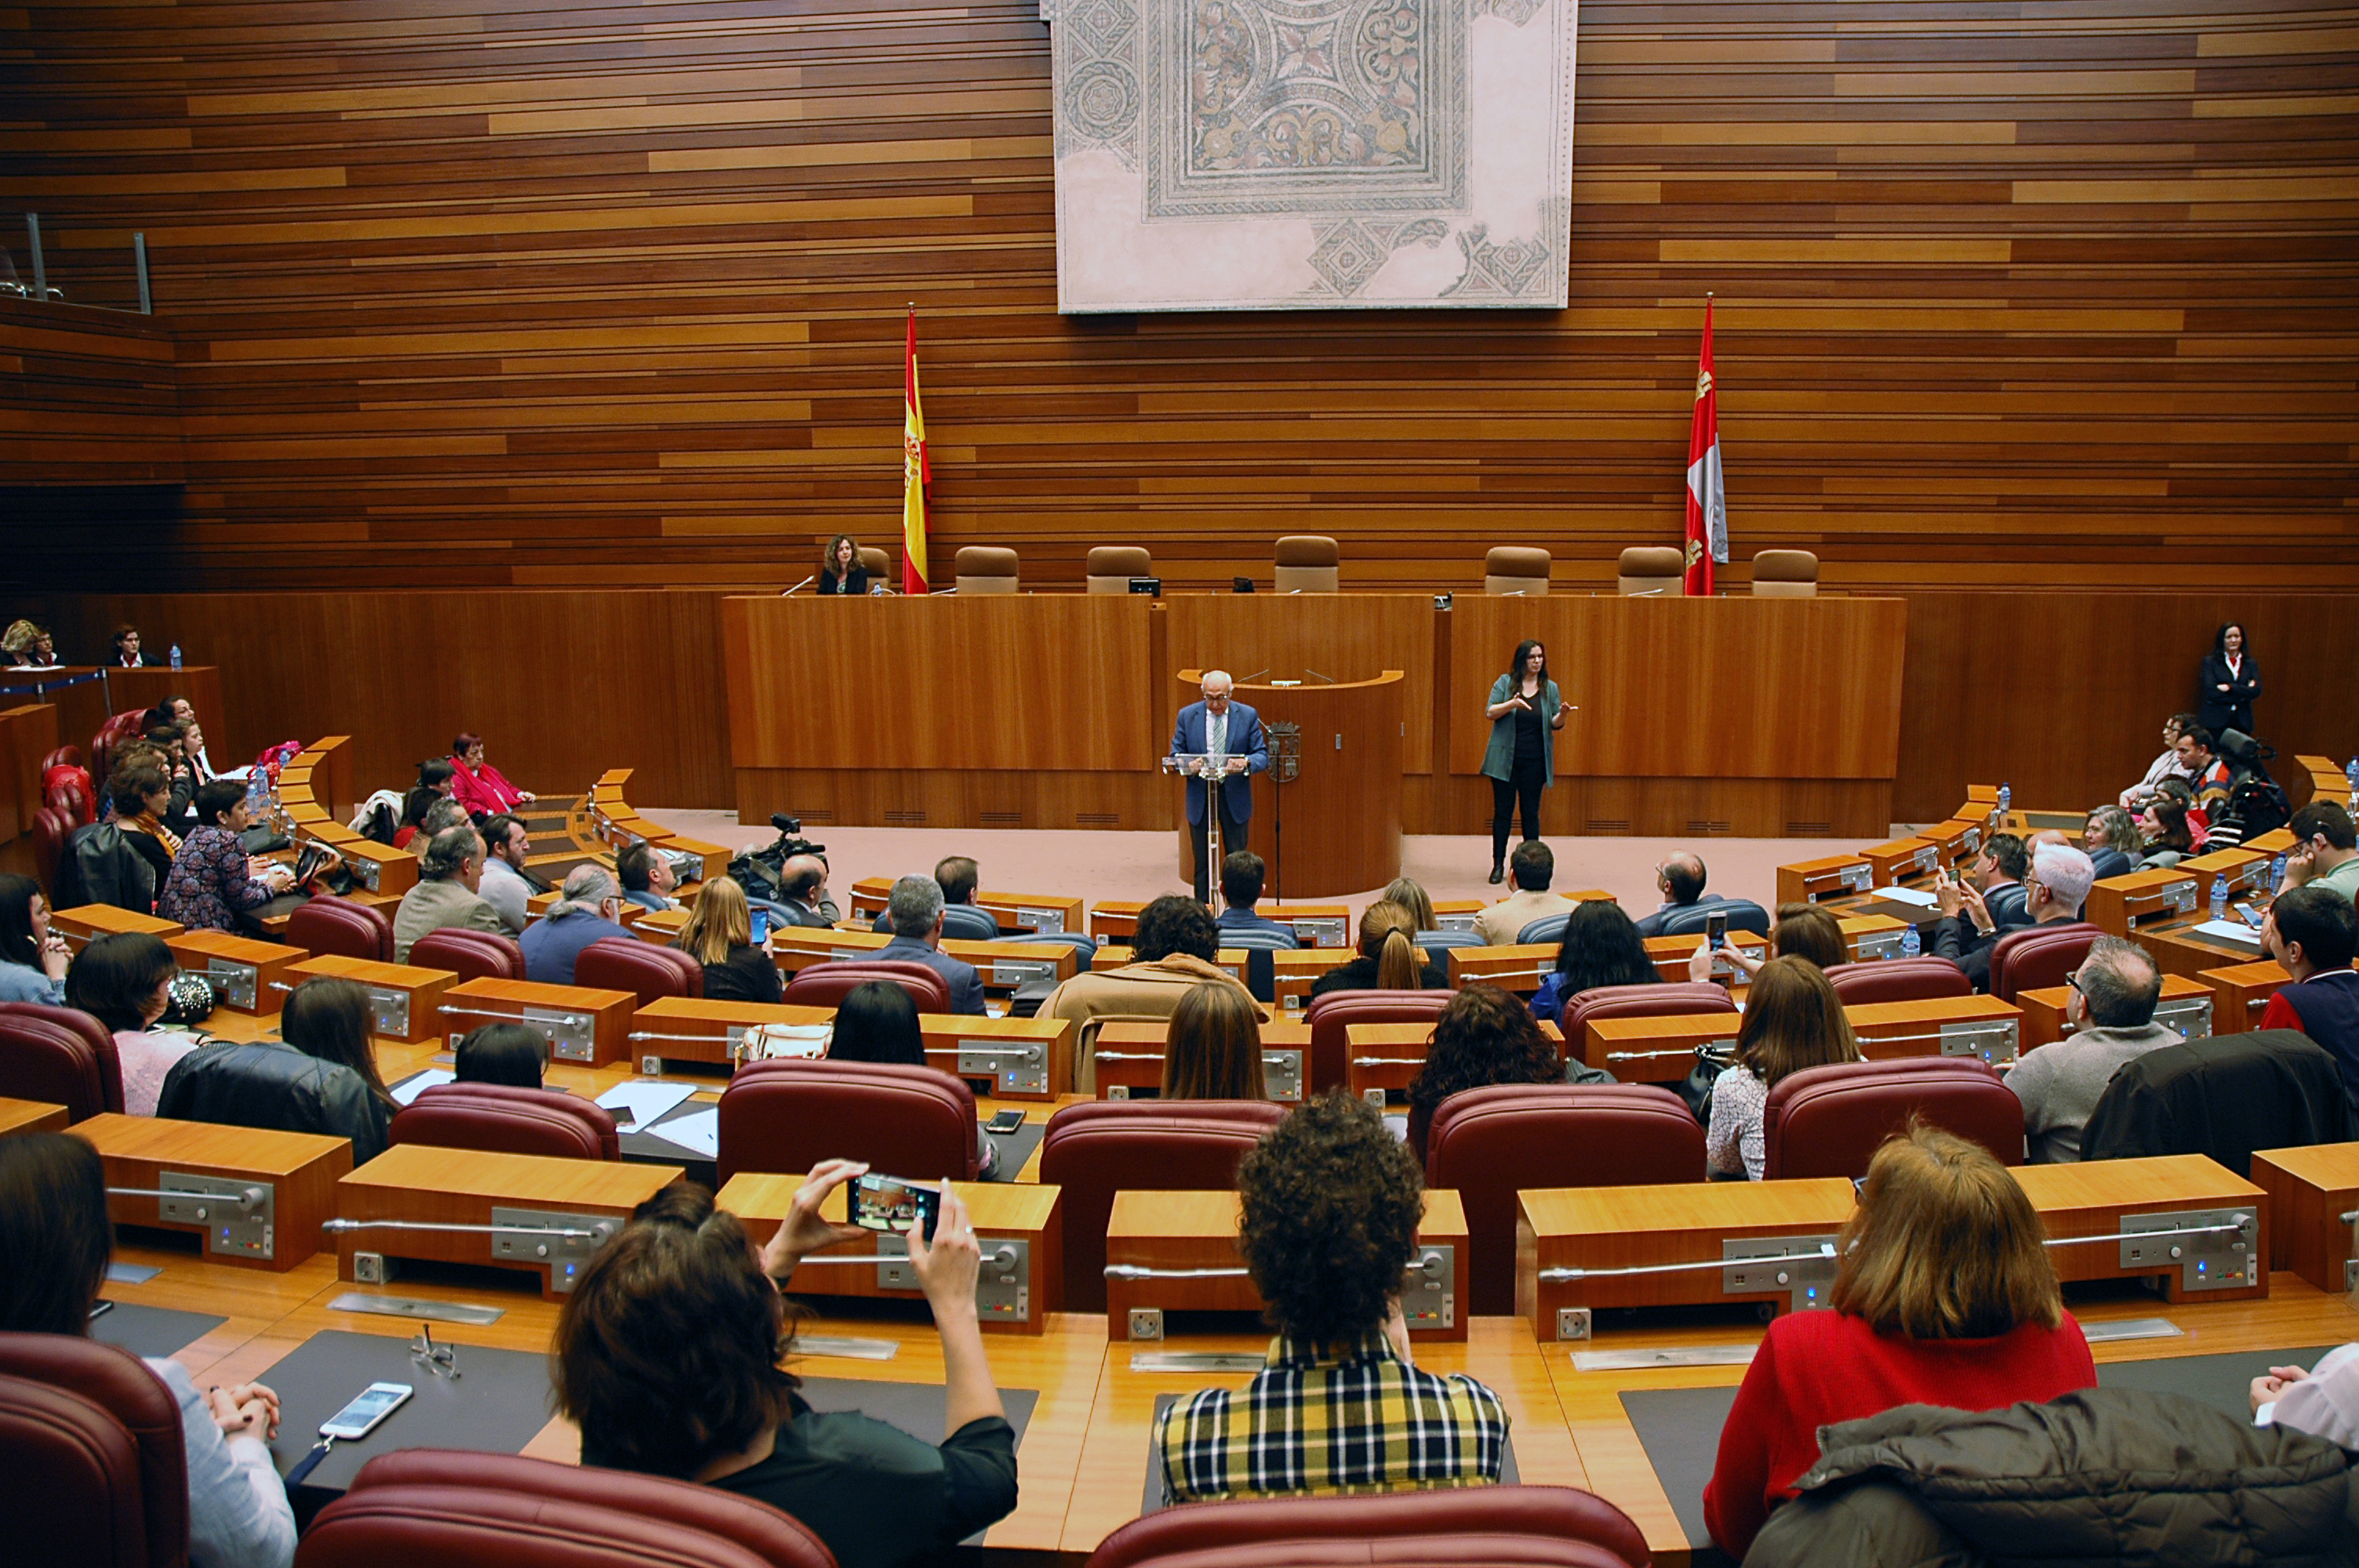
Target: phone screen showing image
[[761, 934], [1715, 931], [888, 1203]]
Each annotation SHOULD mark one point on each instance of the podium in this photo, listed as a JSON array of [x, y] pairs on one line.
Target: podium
[[1328, 818]]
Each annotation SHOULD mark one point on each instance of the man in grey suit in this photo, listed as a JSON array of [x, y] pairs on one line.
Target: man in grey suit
[[915, 910], [1220, 725]]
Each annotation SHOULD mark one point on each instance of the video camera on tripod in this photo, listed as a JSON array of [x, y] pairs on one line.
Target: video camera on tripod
[[761, 872]]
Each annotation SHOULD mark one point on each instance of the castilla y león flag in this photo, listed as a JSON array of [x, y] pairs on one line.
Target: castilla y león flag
[[915, 471], [1707, 533]]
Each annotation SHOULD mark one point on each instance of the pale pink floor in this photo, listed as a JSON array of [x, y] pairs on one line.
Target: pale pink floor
[[1093, 866]]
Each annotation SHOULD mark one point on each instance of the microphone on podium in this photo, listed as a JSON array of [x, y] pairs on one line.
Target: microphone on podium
[[801, 586]]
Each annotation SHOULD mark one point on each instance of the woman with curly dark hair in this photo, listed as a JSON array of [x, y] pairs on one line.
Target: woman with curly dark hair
[[1484, 1037], [1331, 1202], [1602, 948]]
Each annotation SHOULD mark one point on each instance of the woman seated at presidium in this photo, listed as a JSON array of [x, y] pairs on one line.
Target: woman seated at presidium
[[1793, 1020], [478, 786], [1944, 1294], [33, 958], [1389, 958], [839, 567], [56, 1240], [668, 1358], [30, 647]]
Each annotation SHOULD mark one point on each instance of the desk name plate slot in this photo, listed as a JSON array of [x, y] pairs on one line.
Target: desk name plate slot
[[1046, 922], [1017, 1069], [391, 1009], [2211, 1248], [563, 1241], [1326, 931], [2190, 1016], [1003, 1292], [238, 1214], [1878, 945], [234, 985], [1994, 1040], [1021, 971], [572, 1036]]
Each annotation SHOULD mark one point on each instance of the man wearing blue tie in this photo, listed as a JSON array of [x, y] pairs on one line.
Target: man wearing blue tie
[[1230, 733]]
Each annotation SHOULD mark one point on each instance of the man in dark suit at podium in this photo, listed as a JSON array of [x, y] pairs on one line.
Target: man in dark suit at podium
[[1219, 726]]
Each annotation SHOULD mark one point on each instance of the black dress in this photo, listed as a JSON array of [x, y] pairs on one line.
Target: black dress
[[856, 581], [747, 974]]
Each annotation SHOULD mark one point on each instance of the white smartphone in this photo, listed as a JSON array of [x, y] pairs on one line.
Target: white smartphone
[[367, 1411]]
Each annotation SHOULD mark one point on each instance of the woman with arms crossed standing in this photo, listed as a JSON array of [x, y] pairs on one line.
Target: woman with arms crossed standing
[[2230, 681], [1520, 762]]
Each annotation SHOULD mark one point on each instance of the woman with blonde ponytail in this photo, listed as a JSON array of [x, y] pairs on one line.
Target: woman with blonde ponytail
[[1389, 958]]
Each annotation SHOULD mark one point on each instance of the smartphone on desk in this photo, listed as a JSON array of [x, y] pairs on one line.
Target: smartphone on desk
[[1004, 1122], [366, 1412], [888, 1203]]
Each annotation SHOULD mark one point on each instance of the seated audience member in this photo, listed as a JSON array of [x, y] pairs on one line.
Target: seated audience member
[[55, 1244], [1530, 867], [2166, 766], [2322, 1402], [33, 958], [2112, 827], [1411, 896], [176, 709], [2111, 1006], [2325, 853], [1679, 879], [1602, 948], [646, 876], [433, 784], [440, 817], [2165, 834], [802, 892], [168, 745], [142, 794], [1484, 1036], [445, 896], [2054, 888], [1242, 874], [478, 786], [124, 982], [1803, 931], [959, 876], [513, 1055], [213, 881], [337, 1092], [1944, 1295], [668, 1358], [877, 1021], [29, 646], [914, 912], [126, 648], [1792, 1020], [586, 910], [1172, 951], [1213, 1050], [1330, 1204], [2313, 931], [2206, 772], [720, 935], [508, 845], [1389, 960]]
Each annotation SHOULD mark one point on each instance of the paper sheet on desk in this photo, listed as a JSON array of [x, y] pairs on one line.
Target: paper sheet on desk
[[405, 1092], [2234, 931], [1897, 894], [643, 1100], [699, 1132]]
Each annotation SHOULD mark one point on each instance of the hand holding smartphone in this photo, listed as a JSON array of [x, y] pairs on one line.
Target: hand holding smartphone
[[891, 1204]]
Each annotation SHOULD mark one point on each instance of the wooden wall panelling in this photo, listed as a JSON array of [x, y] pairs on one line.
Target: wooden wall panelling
[[1346, 637], [1137, 800], [29, 733]]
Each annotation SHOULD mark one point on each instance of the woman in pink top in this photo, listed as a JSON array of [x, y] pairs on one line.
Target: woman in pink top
[[478, 786], [124, 981]]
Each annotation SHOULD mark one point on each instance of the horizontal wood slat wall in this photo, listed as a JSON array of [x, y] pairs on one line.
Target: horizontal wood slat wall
[[520, 294]]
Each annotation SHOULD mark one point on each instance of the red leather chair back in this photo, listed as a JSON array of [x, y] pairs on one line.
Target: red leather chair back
[[2039, 957], [59, 1056], [826, 985], [789, 1115], [1669, 1000], [627, 964], [1898, 979], [66, 789], [503, 1119], [1498, 1526], [470, 955], [1829, 1121], [63, 757], [1095, 1149], [50, 831], [96, 1473], [499, 1511], [1488, 1143], [122, 726], [328, 924], [1329, 1015]]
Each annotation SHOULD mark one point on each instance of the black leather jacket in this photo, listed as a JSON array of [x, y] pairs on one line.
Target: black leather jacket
[[103, 864], [276, 1087]]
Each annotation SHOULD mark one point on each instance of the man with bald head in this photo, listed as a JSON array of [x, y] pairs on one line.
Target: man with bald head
[[2111, 1008], [1679, 877], [1224, 736]]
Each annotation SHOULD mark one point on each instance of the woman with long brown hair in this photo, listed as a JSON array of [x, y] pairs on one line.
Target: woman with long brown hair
[[840, 570], [1484, 1036], [1389, 958], [1792, 1020], [719, 935], [1213, 1048], [1944, 1295]]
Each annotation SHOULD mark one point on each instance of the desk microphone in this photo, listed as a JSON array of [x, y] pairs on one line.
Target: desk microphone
[[801, 586], [1256, 675]]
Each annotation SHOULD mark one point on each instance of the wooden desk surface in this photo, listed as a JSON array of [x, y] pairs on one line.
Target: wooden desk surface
[[30, 1116]]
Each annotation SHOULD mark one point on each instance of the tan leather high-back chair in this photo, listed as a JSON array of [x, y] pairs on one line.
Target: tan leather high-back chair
[[1651, 570], [1515, 569], [1784, 574], [985, 569], [1111, 567], [1309, 563], [877, 564]]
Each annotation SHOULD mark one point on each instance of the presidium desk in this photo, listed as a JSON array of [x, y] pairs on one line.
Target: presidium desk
[[1763, 718]]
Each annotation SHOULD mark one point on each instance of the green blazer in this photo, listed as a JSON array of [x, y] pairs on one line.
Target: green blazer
[[1499, 757]]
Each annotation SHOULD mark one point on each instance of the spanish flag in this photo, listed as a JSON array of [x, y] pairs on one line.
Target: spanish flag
[[915, 472], [1707, 528]]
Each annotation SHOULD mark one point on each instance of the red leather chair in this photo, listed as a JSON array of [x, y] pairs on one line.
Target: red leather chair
[[1100, 1148], [63, 757], [96, 1473], [1898, 979], [627, 964], [501, 1118], [826, 985], [59, 1056], [2039, 957], [66, 787], [1498, 1526], [1829, 1121], [1488, 1143], [787, 1115], [500, 1510], [51, 829], [470, 955], [330, 925], [1329, 1015], [122, 726], [1669, 999]]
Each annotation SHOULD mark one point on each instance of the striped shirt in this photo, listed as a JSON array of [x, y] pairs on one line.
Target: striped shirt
[[1357, 1420]]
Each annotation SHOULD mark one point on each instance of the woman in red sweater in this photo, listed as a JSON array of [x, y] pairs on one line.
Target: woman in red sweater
[[478, 786], [1944, 1296]]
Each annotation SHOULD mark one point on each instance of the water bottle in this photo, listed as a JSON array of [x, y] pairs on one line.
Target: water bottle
[[2219, 897], [2276, 871], [175, 655], [2005, 799], [2350, 777], [1911, 945]]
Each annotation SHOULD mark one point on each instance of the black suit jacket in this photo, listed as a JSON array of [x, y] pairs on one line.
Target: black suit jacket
[[2231, 709]]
